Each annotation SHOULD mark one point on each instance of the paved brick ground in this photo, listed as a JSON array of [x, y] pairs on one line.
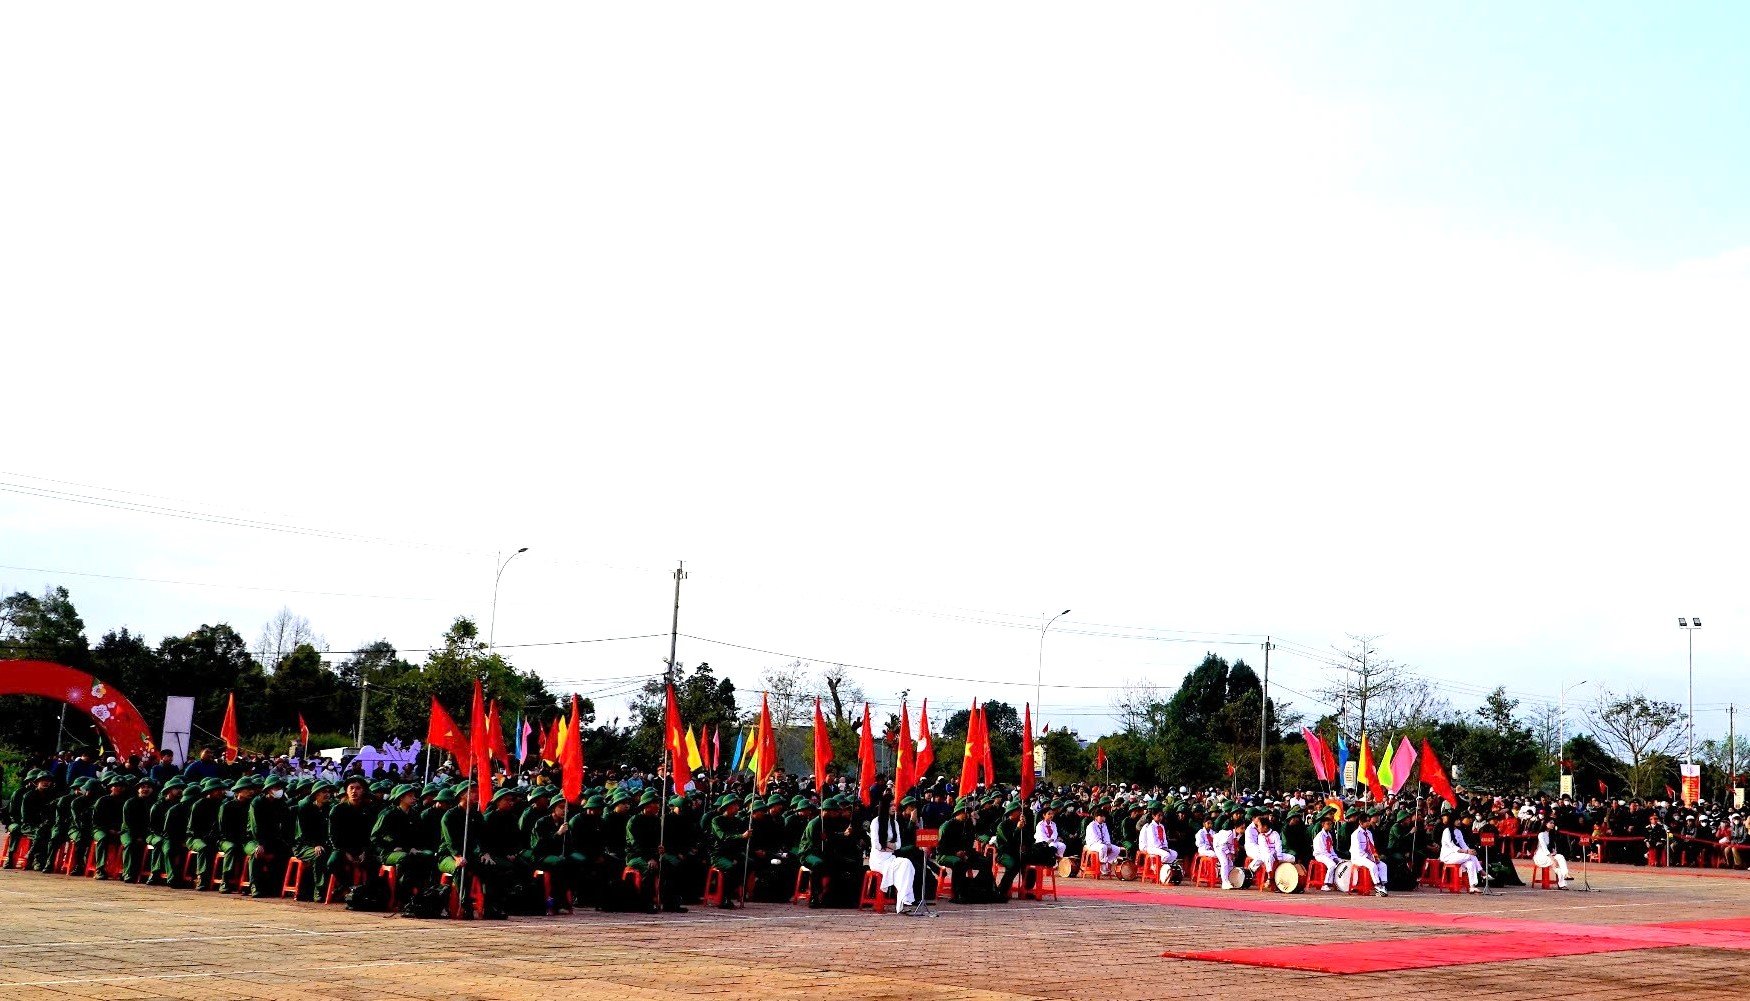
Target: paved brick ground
[[62, 938]]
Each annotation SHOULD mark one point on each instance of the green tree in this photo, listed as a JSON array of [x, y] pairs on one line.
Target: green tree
[[1065, 759], [1637, 731], [703, 700], [302, 684], [209, 664], [1499, 751]]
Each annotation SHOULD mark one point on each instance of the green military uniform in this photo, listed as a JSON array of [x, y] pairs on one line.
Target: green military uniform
[[269, 829], [234, 831], [349, 835], [170, 820], [106, 821], [730, 836], [136, 830], [203, 830], [310, 839], [645, 852], [399, 839]]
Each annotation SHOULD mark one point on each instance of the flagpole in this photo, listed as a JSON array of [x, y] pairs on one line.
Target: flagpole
[[662, 817]]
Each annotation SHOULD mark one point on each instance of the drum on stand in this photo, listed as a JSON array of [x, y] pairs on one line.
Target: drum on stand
[[1345, 876], [1065, 867], [1174, 873], [1126, 870], [1290, 877], [1238, 877]]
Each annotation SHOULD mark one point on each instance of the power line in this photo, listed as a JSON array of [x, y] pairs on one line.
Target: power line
[[196, 583]]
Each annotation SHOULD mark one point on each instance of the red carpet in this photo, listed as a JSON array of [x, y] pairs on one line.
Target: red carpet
[[1383, 955]]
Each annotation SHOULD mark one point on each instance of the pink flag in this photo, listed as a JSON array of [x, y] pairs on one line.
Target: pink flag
[[1403, 760], [1315, 750], [522, 740]]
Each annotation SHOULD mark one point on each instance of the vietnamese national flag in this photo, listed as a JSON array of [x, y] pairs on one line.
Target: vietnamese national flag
[[479, 742], [1230, 769], [768, 748], [1099, 758], [866, 758], [1435, 775], [495, 735], [903, 779], [926, 744], [571, 767], [1027, 752], [674, 743], [822, 749], [443, 733], [303, 731], [969, 755], [228, 729], [985, 760]]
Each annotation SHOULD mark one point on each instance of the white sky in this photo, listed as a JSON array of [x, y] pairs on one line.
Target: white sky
[[873, 317]]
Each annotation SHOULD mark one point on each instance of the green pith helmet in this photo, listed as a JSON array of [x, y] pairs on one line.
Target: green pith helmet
[[273, 782], [677, 801], [448, 794], [506, 793], [648, 797], [593, 803], [405, 789]]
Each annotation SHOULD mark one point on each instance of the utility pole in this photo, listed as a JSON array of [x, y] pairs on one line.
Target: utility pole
[[1264, 712], [364, 690], [674, 632], [1731, 755]]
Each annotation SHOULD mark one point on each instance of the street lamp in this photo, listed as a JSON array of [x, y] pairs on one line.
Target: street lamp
[[492, 632], [1039, 679], [1562, 740], [1690, 625]]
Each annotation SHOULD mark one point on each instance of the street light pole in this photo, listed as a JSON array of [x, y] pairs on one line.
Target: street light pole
[[1690, 625], [1039, 678], [492, 632], [1562, 738]]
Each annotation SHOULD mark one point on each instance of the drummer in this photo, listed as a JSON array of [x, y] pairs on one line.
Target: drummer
[[1227, 847], [1264, 846], [1152, 841], [1098, 838], [1324, 849], [1364, 854]]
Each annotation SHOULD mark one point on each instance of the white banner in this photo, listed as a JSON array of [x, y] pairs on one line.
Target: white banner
[[178, 723]]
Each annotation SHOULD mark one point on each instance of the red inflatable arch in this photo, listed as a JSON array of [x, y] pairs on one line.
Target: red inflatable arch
[[117, 719]]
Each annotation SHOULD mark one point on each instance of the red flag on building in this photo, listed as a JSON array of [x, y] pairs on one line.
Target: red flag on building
[[969, 758], [866, 758], [1026, 752], [479, 742], [303, 731], [228, 729], [443, 733], [674, 743], [822, 749], [571, 769], [926, 744], [1435, 775], [903, 779]]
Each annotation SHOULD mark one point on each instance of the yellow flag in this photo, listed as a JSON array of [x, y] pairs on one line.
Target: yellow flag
[[695, 760], [563, 739]]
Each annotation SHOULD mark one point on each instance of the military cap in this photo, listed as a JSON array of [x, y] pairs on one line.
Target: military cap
[[648, 797], [447, 794], [356, 777], [593, 803], [273, 782]]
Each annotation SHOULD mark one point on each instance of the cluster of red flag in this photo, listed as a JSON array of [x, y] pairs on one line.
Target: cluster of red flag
[[483, 742], [976, 758], [1324, 763]]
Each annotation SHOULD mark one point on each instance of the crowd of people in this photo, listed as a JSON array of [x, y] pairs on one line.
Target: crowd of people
[[631, 841]]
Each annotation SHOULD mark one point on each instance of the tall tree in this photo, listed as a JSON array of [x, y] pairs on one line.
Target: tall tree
[[208, 664], [45, 627], [282, 634], [1638, 731]]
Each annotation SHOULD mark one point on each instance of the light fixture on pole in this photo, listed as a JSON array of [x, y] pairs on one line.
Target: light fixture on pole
[[1039, 678], [1562, 738], [1690, 625], [492, 631]]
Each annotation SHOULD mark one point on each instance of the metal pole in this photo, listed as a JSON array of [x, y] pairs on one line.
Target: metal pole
[[1689, 756], [674, 632], [1039, 676], [492, 630], [61, 730], [1264, 712]]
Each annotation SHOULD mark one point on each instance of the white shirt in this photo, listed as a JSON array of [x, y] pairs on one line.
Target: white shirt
[[1324, 845], [1224, 842], [1361, 845], [1097, 834], [1205, 840], [1153, 837], [1046, 832]]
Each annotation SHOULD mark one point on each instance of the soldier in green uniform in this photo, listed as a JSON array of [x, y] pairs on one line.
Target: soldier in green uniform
[[36, 821], [772, 869], [106, 821], [729, 846], [646, 853], [136, 829], [502, 843], [310, 839], [462, 853], [399, 839], [269, 830], [349, 834], [203, 830], [551, 848], [431, 816], [958, 850], [1014, 844], [14, 806], [234, 832], [587, 840], [76, 814], [170, 825], [614, 824]]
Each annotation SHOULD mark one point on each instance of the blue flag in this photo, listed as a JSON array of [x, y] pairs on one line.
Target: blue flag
[[740, 742], [1342, 762]]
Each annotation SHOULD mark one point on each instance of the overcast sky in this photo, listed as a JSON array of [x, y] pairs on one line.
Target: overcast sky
[[902, 325]]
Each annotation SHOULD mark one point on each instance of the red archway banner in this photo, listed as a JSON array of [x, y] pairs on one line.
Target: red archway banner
[[117, 719]]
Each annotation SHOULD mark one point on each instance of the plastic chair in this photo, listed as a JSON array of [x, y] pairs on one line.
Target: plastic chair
[[1206, 871], [1042, 873], [871, 895], [1089, 867], [1149, 869], [1543, 876], [294, 878], [800, 894], [1363, 884]]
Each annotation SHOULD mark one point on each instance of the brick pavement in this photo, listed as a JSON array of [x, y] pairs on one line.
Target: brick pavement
[[73, 938]]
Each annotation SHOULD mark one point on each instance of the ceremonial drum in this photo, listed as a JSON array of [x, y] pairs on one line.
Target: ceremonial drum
[[1345, 876], [1175, 874], [1065, 867], [1126, 870], [1238, 877], [1290, 877]]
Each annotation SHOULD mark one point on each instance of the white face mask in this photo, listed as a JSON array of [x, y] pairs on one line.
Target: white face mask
[[276, 793]]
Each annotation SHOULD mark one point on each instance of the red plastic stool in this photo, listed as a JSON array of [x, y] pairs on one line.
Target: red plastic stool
[[714, 890], [1265, 883], [294, 878], [354, 876], [1149, 869], [1206, 871], [635, 876], [17, 850], [1363, 883], [476, 894], [1090, 864], [554, 904], [1455, 879], [800, 894], [387, 872], [871, 895], [1315, 874], [108, 861], [1041, 873], [1543, 876], [1433, 873]]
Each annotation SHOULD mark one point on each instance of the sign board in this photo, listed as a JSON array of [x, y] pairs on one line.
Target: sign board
[[1737, 797], [1567, 785], [1038, 761], [929, 838], [178, 724], [1349, 774], [1691, 784], [1486, 839]]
